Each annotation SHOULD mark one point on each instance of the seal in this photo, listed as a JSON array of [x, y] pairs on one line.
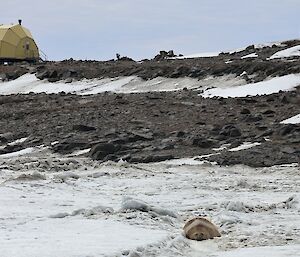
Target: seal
[[200, 229]]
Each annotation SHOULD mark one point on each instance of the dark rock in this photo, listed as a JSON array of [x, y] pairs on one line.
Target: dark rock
[[161, 56], [230, 131], [100, 151], [180, 71], [164, 146], [286, 129], [52, 80], [151, 158], [66, 75], [43, 74], [68, 146], [253, 118], [288, 149], [266, 133], [68, 80], [53, 74], [202, 142], [171, 54], [261, 127], [110, 157], [268, 112], [11, 149], [245, 111], [83, 128], [6, 137], [140, 136], [125, 59], [3, 77], [14, 75], [284, 99], [179, 133], [236, 143]]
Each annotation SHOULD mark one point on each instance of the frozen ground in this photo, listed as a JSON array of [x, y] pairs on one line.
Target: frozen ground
[[72, 206]]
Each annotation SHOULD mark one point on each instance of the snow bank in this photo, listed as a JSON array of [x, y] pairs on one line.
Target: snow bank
[[273, 85], [132, 84], [292, 120], [290, 52]]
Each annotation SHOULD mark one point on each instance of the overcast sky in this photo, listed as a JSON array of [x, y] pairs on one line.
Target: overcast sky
[[98, 29]]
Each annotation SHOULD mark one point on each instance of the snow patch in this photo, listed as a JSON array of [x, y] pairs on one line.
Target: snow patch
[[244, 146], [253, 55], [273, 85], [18, 141], [290, 52], [199, 55], [293, 120], [18, 153]]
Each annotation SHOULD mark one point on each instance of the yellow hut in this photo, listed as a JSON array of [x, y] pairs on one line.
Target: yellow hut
[[17, 44]]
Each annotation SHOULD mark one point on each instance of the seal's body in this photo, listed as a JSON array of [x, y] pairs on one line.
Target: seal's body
[[200, 229]]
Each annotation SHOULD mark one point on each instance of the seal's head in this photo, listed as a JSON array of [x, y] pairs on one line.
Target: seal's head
[[200, 229]]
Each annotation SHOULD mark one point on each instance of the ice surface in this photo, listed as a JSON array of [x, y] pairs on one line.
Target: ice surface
[[273, 85], [293, 120], [82, 214], [290, 52]]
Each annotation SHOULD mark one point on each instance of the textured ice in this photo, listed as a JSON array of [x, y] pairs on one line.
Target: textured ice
[[254, 208]]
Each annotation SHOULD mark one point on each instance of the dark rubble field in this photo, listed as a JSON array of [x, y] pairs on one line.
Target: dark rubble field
[[149, 127]]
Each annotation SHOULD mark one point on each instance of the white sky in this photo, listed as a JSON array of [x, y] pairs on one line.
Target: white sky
[[98, 29]]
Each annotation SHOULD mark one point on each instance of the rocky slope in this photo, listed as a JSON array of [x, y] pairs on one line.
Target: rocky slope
[[156, 126]]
